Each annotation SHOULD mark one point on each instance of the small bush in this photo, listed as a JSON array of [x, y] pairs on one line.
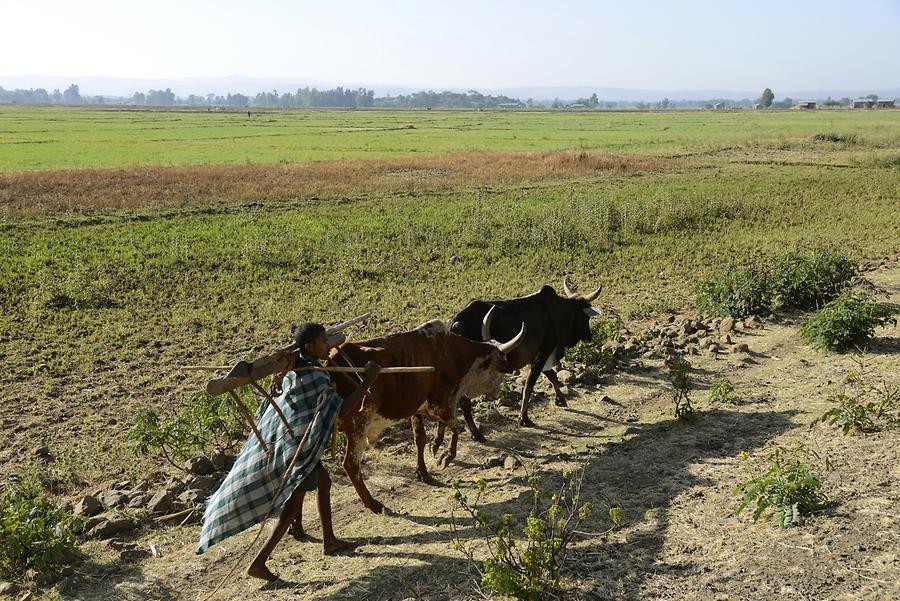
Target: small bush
[[525, 560], [592, 353], [209, 422], [809, 280], [788, 487], [722, 391], [736, 292], [34, 534], [862, 407], [847, 321], [679, 377]]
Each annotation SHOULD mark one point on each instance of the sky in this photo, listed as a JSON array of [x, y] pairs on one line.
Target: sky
[[652, 44]]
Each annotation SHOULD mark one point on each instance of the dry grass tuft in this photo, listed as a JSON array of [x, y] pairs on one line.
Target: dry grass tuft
[[48, 192]]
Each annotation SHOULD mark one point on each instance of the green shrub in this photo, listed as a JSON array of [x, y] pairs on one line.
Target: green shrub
[[34, 534], [736, 291], [208, 423], [809, 280], [679, 377], [862, 407], [788, 487], [592, 353], [847, 321], [722, 391], [525, 560]]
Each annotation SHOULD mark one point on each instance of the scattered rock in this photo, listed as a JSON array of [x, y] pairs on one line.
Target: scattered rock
[[510, 463], [712, 349], [726, 340], [706, 341], [92, 522], [590, 376], [688, 328], [200, 466], [108, 528], [139, 488], [123, 485], [8, 588], [493, 461], [221, 460], [133, 554], [113, 498], [155, 550], [161, 502], [565, 376], [193, 496], [726, 325], [42, 453], [205, 483], [88, 506], [751, 322], [741, 347], [509, 401], [491, 415], [139, 501], [174, 487]]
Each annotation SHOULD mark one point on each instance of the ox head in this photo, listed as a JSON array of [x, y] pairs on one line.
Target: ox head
[[582, 329], [486, 374]]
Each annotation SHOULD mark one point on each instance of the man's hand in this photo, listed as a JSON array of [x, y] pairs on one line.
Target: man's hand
[[372, 371]]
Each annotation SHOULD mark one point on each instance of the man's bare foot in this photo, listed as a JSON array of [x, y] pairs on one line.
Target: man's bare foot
[[332, 547], [259, 570]]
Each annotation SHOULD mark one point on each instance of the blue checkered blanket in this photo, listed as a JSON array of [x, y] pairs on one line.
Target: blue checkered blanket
[[246, 495]]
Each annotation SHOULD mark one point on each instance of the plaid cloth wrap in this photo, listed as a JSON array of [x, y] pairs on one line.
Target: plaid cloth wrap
[[245, 496]]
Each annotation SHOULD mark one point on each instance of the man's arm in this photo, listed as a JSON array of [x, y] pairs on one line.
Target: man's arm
[[352, 402]]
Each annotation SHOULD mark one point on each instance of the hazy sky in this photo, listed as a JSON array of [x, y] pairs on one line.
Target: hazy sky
[[655, 44]]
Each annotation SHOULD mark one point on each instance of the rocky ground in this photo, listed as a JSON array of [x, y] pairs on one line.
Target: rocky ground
[[672, 479]]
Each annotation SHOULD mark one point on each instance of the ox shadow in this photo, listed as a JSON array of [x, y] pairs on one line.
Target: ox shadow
[[642, 474]]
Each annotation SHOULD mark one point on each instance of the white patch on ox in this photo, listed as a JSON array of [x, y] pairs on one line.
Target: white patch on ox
[[376, 427], [479, 380], [433, 328]]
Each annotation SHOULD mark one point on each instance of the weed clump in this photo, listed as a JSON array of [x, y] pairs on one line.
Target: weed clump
[[861, 406], [722, 391], [590, 353], [525, 560], [209, 422], [847, 321], [34, 533], [801, 280], [788, 487], [679, 377]]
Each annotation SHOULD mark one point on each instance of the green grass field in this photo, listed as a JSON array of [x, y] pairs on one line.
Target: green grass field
[[70, 138], [99, 308]]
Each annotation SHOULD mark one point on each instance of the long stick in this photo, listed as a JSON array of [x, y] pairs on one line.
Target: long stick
[[335, 369], [246, 414], [275, 406]]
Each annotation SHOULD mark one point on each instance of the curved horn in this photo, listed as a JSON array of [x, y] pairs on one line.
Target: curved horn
[[566, 287], [486, 324], [508, 347], [590, 297]]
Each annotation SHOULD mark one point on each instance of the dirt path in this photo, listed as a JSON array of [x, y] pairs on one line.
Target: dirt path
[[673, 480]]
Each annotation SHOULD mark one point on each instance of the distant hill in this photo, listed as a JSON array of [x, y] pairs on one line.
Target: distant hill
[[242, 84]]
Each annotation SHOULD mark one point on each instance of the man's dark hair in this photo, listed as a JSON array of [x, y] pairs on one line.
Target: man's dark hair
[[306, 333]]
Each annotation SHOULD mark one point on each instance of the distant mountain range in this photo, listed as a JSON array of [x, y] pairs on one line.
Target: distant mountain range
[[120, 86]]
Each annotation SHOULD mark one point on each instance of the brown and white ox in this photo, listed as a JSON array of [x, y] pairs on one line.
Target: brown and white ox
[[463, 367]]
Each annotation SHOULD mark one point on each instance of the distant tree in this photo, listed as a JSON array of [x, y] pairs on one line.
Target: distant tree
[[767, 97], [72, 95], [846, 101], [593, 101], [56, 96], [663, 104], [831, 102]]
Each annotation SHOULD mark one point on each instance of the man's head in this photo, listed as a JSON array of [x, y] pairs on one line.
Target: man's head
[[310, 340]]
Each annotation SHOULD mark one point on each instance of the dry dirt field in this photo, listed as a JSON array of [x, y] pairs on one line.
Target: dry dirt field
[[673, 480]]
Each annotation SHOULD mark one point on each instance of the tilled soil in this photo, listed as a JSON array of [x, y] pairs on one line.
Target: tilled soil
[[673, 480]]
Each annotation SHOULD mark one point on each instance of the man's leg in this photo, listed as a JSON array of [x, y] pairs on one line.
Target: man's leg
[[331, 544], [258, 568]]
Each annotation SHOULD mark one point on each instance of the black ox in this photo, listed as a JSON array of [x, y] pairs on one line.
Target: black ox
[[553, 323]]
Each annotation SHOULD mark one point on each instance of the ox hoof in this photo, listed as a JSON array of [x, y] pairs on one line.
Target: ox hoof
[[424, 476], [526, 422], [444, 460], [478, 436], [561, 402], [376, 507]]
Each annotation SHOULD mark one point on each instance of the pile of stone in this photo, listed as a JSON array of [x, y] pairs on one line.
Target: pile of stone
[[123, 506], [692, 336]]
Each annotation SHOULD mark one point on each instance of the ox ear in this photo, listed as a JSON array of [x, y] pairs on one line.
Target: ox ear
[[592, 312]]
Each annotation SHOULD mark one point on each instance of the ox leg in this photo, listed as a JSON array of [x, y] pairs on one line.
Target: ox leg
[[560, 398], [356, 444], [465, 404], [418, 428], [533, 374], [439, 430]]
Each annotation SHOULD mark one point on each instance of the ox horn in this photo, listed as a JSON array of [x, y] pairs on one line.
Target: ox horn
[[590, 297], [486, 324], [508, 347], [566, 288]]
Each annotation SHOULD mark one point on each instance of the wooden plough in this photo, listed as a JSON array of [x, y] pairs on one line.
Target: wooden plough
[[280, 362]]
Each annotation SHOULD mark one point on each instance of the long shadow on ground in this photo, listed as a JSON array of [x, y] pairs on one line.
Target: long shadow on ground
[[643, 475]]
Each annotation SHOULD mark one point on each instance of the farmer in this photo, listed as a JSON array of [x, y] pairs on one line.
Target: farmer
[[246, 496]]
